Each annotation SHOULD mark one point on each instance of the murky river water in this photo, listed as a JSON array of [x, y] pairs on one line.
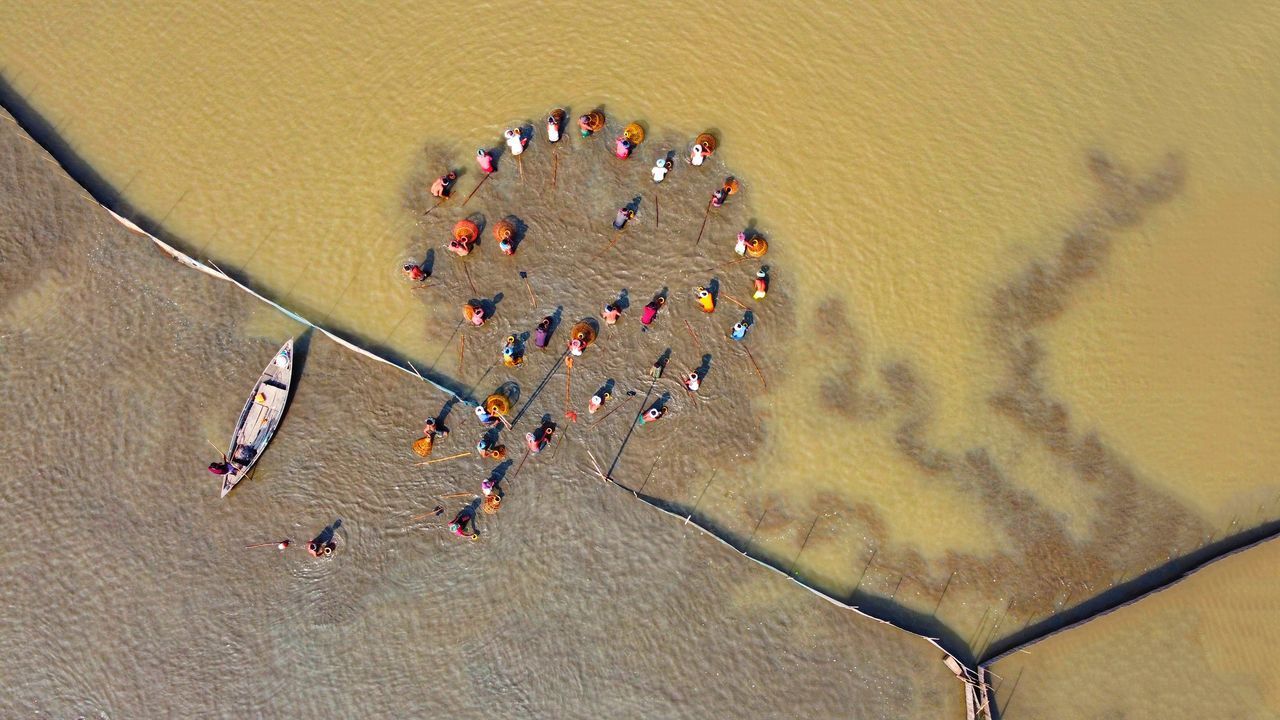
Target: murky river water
[[128, 591], [1026, 260], [1165, 656]]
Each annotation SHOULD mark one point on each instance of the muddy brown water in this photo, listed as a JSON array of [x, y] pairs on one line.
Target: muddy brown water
[[1026, 254], [128, 591]]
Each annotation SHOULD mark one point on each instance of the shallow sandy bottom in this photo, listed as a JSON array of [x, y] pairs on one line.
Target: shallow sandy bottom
[[129, 592]]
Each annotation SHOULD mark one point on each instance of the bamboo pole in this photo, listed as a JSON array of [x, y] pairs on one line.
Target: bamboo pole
[[657, 211], [696, 342], [462, 351], [616, 237], [556, 450], [615, 409], [734, 300], [477, 187], [526, 457], [433, 207], [437, 460], [705, 215], [467, 269], [754, 365], [555, 167]]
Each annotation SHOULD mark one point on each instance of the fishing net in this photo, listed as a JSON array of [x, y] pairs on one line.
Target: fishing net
[[584, 331], [497, 404], [465, 231], [491, 504]]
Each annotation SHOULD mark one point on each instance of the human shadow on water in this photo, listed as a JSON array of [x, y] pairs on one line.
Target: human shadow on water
[[325, 542], [488, 305], [661, 363], [444, 412], [428, 263], [634, 205], [705, 368], [557, 316], [481, 223], [713, 287], [499, 473], [623, 301]]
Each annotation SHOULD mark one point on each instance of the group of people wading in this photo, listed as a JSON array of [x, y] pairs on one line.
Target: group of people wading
[[491, 413]]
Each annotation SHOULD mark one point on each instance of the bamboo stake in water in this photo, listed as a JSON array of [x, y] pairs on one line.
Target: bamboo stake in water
[[555, 168], [526, 457], [616, 237], [657, 212], [433, 207], [481, 184], [734, 300], [520, 167], [437, 460], [615, 409], [462, 351], [705, 215], [754, 365], [696, 342], [467, 269], [556, 450]]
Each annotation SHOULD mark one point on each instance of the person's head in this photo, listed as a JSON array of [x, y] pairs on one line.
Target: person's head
[[661, 301], [215, 466], [480, 152], [451, 176], [431, 422], [762, 272], [702, 292]]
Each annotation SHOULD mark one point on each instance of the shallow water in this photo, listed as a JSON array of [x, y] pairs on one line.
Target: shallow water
[[1012, 380], [128, 591], [1203, 648]]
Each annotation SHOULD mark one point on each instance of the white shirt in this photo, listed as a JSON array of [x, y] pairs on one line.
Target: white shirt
[[659, 172], [514, 143]]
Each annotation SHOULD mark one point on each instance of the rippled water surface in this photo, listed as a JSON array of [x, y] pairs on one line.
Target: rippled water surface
[[1025, 321], [1165, 656]]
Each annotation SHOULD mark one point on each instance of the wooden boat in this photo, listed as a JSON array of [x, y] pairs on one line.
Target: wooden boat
[[260, 417]]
